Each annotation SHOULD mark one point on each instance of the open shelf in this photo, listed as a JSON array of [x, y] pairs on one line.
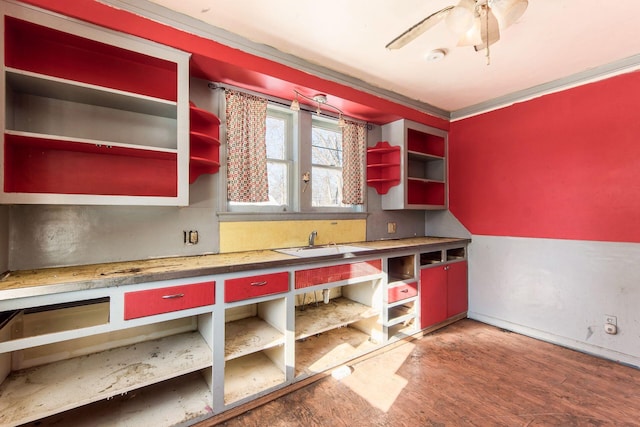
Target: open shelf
[[252, 374], [39, 49], [31, 85], [423, 169], [330, 349], [254, 348], [38, 392], [204, 143], [383, 166], [85, 168], [249, 335], [337, 313], [175, 402], [90, 117]]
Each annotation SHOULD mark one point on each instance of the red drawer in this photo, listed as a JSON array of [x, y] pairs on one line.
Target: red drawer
[[335, 273], [165, 300], [255, 286], [398, 293]]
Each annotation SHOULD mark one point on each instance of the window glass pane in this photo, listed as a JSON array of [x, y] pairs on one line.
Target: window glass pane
[[326, 147], [326, 159], [327, 186], [278, 183], [275, 138]]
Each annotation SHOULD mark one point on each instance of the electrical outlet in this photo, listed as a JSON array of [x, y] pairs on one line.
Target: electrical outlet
[[391, 227], [190, 237], [611, 320]]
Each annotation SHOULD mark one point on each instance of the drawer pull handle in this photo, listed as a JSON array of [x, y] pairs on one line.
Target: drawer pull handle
[[174, 296], [404, 291], [264, 282]]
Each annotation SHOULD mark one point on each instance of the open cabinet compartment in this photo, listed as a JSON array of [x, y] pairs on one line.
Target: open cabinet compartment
[[47, 380], [254, 348], [90, 117], [336, 323]]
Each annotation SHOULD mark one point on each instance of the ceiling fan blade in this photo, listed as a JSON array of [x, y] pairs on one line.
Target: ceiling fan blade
[[419, 28], [489, 30]]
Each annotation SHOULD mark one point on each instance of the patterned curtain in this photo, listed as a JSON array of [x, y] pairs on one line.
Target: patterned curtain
[[246, 147], [354, 162]]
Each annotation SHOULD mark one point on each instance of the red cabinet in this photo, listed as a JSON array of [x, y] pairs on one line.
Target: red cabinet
[[443, 292]]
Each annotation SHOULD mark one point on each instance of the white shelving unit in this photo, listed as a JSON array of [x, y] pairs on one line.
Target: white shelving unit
[[423, 166], [90, 116]]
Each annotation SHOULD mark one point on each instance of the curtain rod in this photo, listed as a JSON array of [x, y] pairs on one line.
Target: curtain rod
[[283, 102]]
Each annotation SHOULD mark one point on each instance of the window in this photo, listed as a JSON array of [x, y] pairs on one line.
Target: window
[[279, 163], [300, 142]]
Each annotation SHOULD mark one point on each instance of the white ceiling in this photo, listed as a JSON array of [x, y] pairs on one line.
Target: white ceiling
[[553, 40]]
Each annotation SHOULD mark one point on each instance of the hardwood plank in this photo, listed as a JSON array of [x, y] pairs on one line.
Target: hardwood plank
[[467, 374]]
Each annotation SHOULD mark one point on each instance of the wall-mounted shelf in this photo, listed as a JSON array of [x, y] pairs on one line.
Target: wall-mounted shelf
[[90, 118], [204, 143], [423, 166], [383, 166]]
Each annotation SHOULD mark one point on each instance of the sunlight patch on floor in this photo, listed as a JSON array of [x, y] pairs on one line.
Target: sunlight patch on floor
[[376, 380]]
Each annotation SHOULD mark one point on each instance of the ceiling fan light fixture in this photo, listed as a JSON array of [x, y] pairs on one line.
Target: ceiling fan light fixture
[[508, 11], [460, 18]]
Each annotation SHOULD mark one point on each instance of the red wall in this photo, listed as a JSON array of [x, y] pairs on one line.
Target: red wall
[[566, 165]]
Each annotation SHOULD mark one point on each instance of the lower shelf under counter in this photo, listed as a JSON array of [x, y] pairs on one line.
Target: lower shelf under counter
[[315, 319], [330, 349], [249, 375], [249, 335], [174, 402], [42, 391]]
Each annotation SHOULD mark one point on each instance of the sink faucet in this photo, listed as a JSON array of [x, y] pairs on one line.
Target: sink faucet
[[312, 238]]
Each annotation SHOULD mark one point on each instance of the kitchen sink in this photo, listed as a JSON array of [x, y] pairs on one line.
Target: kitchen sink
[[308, 252]]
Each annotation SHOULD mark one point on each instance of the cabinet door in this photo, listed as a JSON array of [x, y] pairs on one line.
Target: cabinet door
[[457, 294], [433, 296]]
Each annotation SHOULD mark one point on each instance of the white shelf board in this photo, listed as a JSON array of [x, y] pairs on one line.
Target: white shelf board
[[330, 349], [249, 335], [250, 375], [45, 390], [323, 317], [174, 402]]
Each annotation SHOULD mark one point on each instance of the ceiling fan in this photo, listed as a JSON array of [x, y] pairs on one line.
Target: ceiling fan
[[477, 22]]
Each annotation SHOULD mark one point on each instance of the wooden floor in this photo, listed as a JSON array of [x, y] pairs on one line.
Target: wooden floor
[[467, 374]]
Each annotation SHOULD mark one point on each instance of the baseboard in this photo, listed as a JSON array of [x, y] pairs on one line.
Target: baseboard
[[625, 359]]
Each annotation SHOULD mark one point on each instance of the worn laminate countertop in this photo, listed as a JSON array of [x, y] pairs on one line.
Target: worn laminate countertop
[[25, 283]]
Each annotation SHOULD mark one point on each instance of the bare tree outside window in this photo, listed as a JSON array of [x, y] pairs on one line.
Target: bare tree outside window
[[326, 159]]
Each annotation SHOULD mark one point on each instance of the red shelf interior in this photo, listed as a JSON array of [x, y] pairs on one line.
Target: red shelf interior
[[40, 165], [39, 49], [425, 193], [425, 143], [383, 166], [204, 143]]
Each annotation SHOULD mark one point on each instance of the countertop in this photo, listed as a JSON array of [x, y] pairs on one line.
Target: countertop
[[25, 283]]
